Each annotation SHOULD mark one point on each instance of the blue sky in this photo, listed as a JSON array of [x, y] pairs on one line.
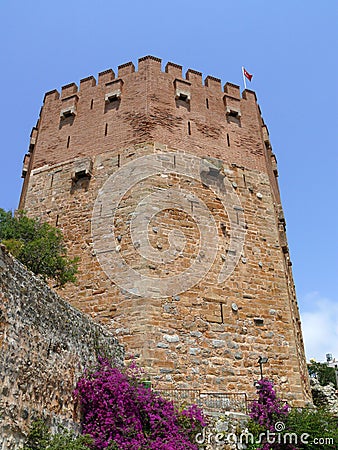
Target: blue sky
[[289, 46]]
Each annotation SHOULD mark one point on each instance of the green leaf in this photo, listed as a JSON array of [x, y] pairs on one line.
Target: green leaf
[[37, 245]]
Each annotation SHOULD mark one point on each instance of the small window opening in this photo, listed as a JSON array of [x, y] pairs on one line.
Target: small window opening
[[228, 139], [207, 103], [67, 112], [112, 97], [91, 104], [57, 220], [118, 160], [68, 141], [80, 180], [189, 128], [106, 130], [183, 97], [81, 174]]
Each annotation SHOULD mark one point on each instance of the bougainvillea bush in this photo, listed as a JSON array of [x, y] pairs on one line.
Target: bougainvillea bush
[[282, 428], [268, 409], [267, 412], [119, 412]]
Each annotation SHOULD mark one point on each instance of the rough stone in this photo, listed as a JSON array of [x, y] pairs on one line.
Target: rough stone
[[216, 343], [45, 345], [162, 345], [171, 338], [150, 121]]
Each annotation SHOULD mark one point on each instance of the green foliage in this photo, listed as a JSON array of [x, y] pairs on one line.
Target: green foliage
[[68, 442], [322, 372], [292, 429], [255, 430], [319, 424], [37, 245], [40, 438]]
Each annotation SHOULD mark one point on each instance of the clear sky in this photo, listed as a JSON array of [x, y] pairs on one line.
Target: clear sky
[[290, 46]]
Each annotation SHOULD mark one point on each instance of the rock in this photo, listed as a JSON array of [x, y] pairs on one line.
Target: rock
[[216, 343], [171, 338]]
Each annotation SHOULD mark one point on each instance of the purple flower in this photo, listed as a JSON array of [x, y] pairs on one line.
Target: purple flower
[[118, 409], [267, 411]]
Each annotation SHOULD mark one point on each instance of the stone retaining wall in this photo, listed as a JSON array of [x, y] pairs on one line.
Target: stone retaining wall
[[45, 345]]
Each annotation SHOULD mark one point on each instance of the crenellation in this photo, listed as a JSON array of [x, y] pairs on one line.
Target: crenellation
[[125, 69], [232, 90], [213, 83], [149, 62], [266, 137], [68, 90], [174, 69], [105, 76], [25, 165], [249, 95], [135, 92], [87, 82], [194, 76], [147, 57], [33, 138], [51, 96]]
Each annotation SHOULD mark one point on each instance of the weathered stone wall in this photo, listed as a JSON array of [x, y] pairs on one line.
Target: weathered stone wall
[[211, 334], [45, 345], [196, 339]]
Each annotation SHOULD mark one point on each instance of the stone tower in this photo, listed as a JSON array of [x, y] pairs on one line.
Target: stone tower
[[166, 188]]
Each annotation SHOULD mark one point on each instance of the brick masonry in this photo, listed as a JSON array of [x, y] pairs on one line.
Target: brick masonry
[[211, 334], [45, 346]]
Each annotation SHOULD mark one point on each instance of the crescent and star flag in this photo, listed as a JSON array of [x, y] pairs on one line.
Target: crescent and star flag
[[247, 74]]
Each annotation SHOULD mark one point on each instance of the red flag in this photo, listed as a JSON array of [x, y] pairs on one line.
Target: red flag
[[247, 74]]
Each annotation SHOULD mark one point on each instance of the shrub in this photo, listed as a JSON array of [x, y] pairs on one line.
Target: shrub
[[40, 438], [265, 413], [119, 412], [37, 245], [318, 424], [268, 409], [306, 428]]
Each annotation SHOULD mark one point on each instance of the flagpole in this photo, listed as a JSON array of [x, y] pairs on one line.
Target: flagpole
[[243, 77]]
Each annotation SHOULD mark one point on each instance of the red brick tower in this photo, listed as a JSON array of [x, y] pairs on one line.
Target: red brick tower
[[166, 188]]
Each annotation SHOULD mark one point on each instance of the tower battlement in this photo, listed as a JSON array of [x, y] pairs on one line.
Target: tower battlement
[[153, 65], [157, 105]]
